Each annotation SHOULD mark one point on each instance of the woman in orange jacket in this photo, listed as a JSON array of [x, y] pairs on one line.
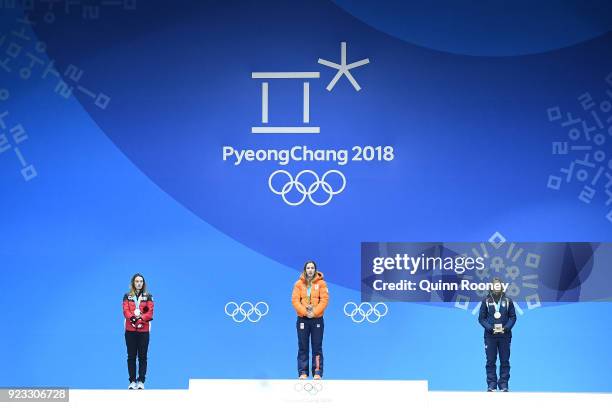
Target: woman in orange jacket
[[309, 299]]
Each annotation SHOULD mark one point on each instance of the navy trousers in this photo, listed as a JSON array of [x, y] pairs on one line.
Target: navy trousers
[[310, 333], [494, 345]]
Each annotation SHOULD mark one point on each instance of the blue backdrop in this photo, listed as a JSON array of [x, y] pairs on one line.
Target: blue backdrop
[[130, 178]]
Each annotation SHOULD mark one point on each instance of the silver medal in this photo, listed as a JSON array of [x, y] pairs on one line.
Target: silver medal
[[497, 315]]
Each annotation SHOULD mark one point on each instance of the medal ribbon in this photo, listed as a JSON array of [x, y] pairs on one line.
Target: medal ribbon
[[137, 301], [497, 304]]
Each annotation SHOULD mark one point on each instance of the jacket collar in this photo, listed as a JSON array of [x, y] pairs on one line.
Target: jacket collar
[[318, 277]]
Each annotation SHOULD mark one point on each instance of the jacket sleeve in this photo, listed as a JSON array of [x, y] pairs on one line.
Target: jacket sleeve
[[148, 315], [323, 300], [482, 316], [511, 316], [126, 309], [295, 301]]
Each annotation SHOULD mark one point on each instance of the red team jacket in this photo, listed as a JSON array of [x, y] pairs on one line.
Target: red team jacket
[[146, 312]]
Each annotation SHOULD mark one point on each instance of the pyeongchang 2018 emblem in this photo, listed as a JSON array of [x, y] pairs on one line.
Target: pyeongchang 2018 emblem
[[343, 70], [306, 185]]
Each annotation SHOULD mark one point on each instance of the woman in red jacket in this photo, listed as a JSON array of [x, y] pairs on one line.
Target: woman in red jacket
[[138, 312], [309, 299]]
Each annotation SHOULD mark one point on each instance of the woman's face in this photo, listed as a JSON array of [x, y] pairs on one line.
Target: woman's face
[[497, 289], [310, 270], [138, 282]]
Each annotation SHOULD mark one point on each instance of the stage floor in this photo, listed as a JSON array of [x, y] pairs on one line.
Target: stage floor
[[323, 394]]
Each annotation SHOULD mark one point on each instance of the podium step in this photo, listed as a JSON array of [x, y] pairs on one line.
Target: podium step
[[322, 393]]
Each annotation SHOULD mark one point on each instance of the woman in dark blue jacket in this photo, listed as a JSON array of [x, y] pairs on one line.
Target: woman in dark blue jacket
[[497, 316]]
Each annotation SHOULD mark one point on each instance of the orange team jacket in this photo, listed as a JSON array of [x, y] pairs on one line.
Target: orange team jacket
[[319, 295]]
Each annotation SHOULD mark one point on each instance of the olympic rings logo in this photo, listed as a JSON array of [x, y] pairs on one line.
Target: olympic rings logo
[[246, 311], [312, 388], [365, 311], [303, 190]]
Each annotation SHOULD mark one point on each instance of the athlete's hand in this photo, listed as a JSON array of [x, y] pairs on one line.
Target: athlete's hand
[[310, 314]]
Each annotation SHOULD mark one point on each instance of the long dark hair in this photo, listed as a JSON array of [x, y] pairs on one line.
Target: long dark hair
[[133, 288]]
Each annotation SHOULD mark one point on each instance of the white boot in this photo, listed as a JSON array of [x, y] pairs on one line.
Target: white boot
[[140, 385], [132, 386]]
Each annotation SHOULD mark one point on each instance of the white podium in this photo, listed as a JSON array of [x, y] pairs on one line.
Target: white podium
[[325, 393], [308, 393]]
